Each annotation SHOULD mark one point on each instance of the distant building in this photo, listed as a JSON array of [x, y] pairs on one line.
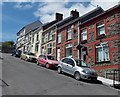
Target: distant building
[[24, 36]]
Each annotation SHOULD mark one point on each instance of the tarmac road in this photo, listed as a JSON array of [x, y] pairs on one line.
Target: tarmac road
[[26, 78]]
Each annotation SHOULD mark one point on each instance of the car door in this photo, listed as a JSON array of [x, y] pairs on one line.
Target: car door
[[64, 64], [70, 66], [44, 60], [40, 59]]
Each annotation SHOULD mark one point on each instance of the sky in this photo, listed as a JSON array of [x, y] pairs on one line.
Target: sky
[[16, 14]]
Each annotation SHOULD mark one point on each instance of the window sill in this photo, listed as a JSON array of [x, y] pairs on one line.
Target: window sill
[[100, 36], [58, 43], [69, 39], [102, 62], [83, 41]]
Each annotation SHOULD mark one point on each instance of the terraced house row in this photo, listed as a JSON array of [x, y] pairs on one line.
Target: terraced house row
[[93, 37]]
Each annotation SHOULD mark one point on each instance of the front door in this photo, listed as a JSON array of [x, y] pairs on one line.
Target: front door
[[83, 54], [58, 54], [70, 66]]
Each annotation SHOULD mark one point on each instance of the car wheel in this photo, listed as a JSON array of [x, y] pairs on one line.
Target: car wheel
[[59, 70], [47, 66], [26, 59], [77, 75], [37, 63]]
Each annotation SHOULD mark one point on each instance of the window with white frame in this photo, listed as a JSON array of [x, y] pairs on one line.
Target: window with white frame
[[37, 38], [49, 48], [84, 34], [69, 50], [59, 37], [32, 38], [100, 28], [36, 47], [102, 52], [50, 35], [69, 34]]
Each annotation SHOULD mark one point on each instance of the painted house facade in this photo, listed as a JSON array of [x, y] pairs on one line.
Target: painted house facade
[[24, 35], [49, 34], [35, 40]]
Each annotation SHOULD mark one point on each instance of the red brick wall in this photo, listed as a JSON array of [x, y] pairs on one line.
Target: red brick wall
[[112, 31]]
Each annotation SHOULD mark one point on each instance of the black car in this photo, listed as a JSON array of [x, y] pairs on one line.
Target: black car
[[16, 53]]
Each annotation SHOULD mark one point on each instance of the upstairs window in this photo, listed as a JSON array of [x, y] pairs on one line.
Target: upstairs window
[[49, 35], [37, 38], [69, 35], [84, 35], [100, 28], [32, 38], [102, 52], [59, 37]]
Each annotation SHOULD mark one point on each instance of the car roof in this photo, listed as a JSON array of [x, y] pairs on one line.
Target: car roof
[[72, 58]]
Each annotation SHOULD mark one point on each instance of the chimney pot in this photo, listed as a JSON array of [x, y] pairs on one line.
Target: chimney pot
[[59, 16], [75, 13]]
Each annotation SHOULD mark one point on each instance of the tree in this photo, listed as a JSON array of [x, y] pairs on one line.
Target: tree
[[7, 46]]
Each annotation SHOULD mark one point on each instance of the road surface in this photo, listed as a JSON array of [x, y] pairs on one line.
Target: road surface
[[26, 78]]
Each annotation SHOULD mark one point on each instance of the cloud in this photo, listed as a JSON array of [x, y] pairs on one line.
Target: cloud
[[47, 11], [23, 5]]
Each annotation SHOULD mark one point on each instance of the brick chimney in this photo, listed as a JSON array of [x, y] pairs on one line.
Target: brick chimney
[[75, 13], [59, 16]]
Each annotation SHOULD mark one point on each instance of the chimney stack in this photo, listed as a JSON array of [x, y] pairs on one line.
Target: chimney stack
[[75, 13], [59, 16]]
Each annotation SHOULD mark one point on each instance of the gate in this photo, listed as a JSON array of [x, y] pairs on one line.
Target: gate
[[116, 78]]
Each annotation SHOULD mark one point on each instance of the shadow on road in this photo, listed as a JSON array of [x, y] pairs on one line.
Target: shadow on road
[[87, 81]]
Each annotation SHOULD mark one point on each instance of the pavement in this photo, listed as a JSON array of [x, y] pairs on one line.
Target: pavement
[[109, 82]]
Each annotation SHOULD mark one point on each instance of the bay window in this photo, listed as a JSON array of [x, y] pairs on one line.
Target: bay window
[[69, 50], [49, 48], [102, 52]]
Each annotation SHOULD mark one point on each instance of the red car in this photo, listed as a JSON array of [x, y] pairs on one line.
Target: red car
[[47, 60]]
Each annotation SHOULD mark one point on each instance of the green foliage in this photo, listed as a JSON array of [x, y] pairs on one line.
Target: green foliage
[[7, 43]]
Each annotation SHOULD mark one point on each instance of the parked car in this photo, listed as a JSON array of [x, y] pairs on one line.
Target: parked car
[[16, 53], [28, 56], [77, 68], [47, 60]]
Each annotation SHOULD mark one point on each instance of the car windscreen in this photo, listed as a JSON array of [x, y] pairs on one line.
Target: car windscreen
[[50, 57], [81, 63]]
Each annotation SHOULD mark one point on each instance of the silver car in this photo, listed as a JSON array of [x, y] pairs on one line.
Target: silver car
[[78, 68]]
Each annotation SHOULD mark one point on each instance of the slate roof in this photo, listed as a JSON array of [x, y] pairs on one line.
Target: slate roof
[[66, 20], [91, 14], [82, 19], [31, 27], [47, 25]]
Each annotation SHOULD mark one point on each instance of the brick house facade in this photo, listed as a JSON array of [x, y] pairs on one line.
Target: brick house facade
[[103, 40], [48, 36], [67, 36], [97, 40]]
